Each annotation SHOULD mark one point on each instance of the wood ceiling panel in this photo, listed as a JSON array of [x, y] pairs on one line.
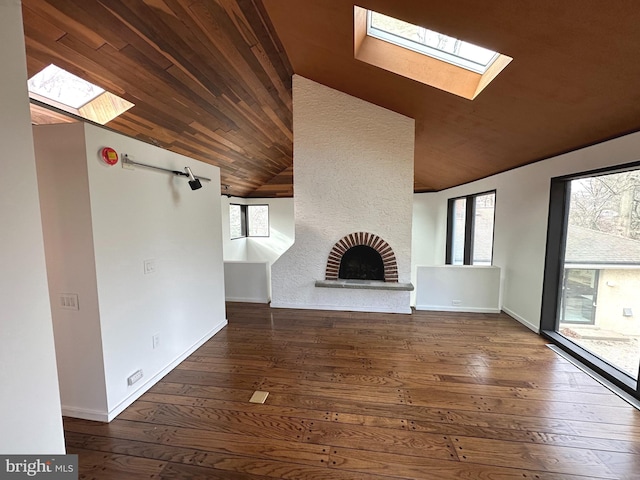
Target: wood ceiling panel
[[279, 186], [572, 83], [209, 79]]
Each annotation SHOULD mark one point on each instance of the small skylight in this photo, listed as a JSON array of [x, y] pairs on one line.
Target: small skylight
[[63, 87], [428, 42], [57, 88]]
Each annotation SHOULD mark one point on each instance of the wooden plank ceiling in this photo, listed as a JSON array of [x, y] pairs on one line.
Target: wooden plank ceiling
[[210, 78], [573, 80]]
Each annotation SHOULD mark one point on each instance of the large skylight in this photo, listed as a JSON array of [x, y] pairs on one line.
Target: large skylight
[[63, 87], [429, 42], [64, 91]]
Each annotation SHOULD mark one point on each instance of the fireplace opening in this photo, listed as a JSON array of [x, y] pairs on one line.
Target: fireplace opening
[[361, 263], [337, 269]]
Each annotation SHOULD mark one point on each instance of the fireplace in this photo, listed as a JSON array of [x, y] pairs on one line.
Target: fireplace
[[362, 256], [361, 263]]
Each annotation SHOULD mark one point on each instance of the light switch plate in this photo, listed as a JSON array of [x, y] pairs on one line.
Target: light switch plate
[[69, 301]]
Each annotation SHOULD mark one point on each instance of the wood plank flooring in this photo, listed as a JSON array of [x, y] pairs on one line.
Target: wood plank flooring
[[356, 396]]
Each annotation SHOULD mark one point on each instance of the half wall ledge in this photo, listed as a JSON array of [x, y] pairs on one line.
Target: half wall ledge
[[365, 285]]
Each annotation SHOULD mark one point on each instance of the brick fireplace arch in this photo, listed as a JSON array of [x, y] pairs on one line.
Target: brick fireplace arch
[[369, 240]]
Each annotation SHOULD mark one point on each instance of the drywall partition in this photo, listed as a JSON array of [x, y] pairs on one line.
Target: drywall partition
[[63, 184], [157, 254], [353, 164], [246, 282], [522, 206], [139, 217], [30, 415], [458, 288]]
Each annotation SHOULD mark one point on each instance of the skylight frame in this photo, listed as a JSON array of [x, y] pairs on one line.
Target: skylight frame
[[429, 51]]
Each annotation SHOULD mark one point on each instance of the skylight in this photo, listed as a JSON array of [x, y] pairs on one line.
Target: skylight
[[64, 91], [428, 42], [63, 87]]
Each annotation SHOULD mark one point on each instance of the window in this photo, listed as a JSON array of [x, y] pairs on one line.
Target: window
[[592, 272], [423, 55], [61, 86], [248, 220], [470, 229], [258, 220], [434, 44], [237, 221], [63, 90]]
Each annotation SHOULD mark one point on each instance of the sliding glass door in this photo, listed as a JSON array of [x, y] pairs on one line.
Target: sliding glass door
[[591, 303]]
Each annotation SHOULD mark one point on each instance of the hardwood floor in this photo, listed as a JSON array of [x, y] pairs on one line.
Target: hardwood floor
[[356, 396]]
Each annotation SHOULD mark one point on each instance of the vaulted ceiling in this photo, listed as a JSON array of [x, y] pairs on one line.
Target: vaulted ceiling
[[212, 78], [209, 79]]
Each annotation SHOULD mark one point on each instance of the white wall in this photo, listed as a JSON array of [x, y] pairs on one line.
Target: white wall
[[30, 415], [353, 164], [135, 215], [458, 288], [281, 230], [246, 282], [522, 206], [63, 185], [140, 215]]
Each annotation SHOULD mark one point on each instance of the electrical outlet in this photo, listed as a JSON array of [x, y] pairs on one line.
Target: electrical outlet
[[69, 301], [135, 377], [149, 266], [156, 340], [456, 303]]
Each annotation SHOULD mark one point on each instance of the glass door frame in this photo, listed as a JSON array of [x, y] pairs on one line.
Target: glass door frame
[[559, 199], [594, 299]]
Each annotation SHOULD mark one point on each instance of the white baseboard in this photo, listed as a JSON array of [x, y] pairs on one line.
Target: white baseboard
[[343, 308], [517, 317], [102, 416], [460, 309], [247, 299], [85, 414]]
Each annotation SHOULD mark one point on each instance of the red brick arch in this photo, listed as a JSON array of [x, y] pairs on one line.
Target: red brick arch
[[362, 238]]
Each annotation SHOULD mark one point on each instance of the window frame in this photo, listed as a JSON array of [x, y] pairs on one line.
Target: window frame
[[557, 220], [244, 221], [469, 226]]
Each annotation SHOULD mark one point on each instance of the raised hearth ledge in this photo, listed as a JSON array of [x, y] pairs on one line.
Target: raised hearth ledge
[[365, 285]]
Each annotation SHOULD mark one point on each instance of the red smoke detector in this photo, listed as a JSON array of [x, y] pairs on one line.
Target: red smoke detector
[[109, 155]]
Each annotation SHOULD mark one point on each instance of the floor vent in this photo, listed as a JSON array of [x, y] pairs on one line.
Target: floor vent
[[258, 397]]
